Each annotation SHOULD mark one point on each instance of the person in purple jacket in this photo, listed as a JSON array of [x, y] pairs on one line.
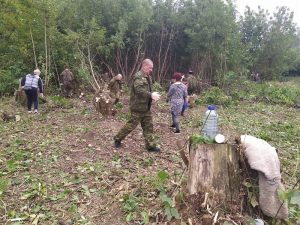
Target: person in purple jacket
[[177, 95], [31, 83]]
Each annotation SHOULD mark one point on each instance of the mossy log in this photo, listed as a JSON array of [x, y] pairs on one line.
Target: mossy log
[[214, 170]]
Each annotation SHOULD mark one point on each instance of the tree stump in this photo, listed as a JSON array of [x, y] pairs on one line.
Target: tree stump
[[214, 171], [103, 103], [192, 100], [20, 95]]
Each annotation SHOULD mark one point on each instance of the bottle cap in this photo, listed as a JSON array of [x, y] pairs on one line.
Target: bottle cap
[[211, 107], [219, 138]]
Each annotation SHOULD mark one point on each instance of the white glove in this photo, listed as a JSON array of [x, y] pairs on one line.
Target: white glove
[[42, 95], [155, 96]]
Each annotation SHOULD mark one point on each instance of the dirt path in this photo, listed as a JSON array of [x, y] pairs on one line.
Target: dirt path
[[65, 169]]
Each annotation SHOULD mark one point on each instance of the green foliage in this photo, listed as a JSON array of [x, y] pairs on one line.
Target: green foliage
[[277, 94], [169, 204], [124, 116], [252, 192], [213, 36], [4, 185], [215, 96], [157, 87], [130, 206], [103, 36], [145, 217], [37, 188], [236, 88], [83, 74], [200, 139], [271, 42], [8, 82], [161, 179], [276, 123], [58, 101], [227, 223], [293, 199], [119, 105]]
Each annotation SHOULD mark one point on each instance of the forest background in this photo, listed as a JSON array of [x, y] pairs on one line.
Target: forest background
[[99, 38], [69, 172]]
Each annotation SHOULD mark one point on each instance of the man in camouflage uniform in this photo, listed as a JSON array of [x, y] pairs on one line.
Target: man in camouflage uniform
[[115, 87], [141, 97], [67, 81]]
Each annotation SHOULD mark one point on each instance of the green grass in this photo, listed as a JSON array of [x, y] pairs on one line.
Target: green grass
[[37, 153], [277, 124]]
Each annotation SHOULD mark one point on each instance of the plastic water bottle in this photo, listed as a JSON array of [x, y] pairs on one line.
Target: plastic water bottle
[[259, 222], [210, 128]]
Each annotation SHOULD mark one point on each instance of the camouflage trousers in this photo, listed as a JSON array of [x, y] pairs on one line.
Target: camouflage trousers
[[67, 90], [115, 96], [136, 118]]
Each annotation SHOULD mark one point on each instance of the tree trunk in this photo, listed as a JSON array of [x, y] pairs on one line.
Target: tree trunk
[[46, 53], [103, 103], [214, 170], [20, 96], [33, 48]]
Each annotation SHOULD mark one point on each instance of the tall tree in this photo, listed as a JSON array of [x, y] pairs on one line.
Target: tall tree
[[212, 31], [271, 42]]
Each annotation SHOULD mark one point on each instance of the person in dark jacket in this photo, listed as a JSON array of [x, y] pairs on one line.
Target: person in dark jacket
[[141, 98], [32, 83]]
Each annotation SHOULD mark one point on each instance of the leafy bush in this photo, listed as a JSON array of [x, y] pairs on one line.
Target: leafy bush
[[157, 87], [199, 139], [293, 199], [278, 94], [8, 83], [119, 105], [232, 78], [57, 101], [125, 88], [215, 96], [83, 74], [237, 88], [169, 203]]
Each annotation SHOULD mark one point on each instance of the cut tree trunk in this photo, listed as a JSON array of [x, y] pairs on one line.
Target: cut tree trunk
[[214, 171], [20, 95], [103, 103]]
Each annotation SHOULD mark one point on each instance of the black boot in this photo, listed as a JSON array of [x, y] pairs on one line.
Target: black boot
[[177, 131], [117, 144]]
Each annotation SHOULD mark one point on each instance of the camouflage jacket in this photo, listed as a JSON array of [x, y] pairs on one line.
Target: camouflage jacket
[[66, 77], [140, 96], [114, 85]]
